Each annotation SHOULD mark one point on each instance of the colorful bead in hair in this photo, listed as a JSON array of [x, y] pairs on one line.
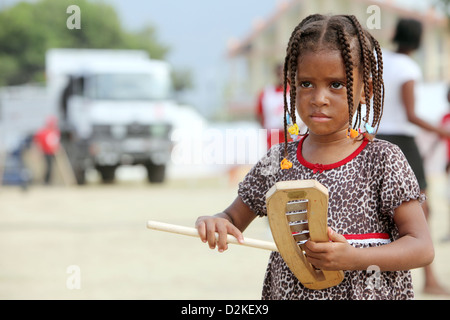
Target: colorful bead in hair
[[352, 133], [285, 164], [369, 129], [293, 130]]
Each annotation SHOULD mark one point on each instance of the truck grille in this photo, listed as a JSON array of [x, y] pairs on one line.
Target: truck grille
[[134, 130], [137, 129]]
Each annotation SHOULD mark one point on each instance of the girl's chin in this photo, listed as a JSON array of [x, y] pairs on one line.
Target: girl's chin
[[329, 133]]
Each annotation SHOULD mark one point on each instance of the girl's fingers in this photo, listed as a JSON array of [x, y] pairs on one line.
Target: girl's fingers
[[207, 229], [201, 229], [236, 233], [222, 241], [211, 234], [315, 247]]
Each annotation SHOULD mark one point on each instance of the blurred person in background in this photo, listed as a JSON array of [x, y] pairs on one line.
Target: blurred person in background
[[47, 140], [270, 108], [400, 121], [446, 125]]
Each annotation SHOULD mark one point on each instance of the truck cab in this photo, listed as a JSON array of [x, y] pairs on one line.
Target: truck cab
[[115, 109]]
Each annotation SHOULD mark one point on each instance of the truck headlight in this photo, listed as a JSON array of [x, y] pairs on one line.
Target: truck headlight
[[159, 130]]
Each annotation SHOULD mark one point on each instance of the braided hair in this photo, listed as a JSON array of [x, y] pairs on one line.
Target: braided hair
[[358, 48]]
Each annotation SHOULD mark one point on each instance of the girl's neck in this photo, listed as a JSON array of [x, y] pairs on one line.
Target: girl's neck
[[328, 149], [336, 139]]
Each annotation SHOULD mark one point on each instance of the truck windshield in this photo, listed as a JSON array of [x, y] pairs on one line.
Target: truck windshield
[[128, 87]]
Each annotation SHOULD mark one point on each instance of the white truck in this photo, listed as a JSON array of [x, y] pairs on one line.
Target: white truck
[[115, 108]]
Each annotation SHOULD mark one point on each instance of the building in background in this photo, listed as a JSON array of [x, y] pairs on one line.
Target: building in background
[[252, 58]]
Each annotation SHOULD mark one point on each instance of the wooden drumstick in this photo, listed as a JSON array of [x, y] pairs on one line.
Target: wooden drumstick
[[188, 231]]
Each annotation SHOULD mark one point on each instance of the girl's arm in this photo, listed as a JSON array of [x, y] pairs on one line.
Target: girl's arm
[[413, 249], [233, 220]]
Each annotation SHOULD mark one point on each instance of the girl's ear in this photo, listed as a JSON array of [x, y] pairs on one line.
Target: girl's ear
[[363, 94]]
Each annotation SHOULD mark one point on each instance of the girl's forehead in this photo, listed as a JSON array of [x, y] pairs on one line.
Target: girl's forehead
[[325, 54], [328, 61], [323, 65]]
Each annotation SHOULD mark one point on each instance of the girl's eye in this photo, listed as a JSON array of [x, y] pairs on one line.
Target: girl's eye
[[305, 84], [337, 85]]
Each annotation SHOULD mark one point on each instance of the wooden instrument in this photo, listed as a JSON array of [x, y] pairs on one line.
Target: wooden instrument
[[297, 212]]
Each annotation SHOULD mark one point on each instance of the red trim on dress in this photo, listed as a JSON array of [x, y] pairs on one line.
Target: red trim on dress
[[318, 167], [366, 236]]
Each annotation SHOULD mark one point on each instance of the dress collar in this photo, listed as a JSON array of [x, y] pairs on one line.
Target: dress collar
[[318, 167]]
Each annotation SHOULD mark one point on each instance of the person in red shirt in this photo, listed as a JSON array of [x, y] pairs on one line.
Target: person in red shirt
[[270, 108], [48, 139], [446, 124]]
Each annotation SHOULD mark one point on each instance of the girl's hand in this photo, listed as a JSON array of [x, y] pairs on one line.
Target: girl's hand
[[334, 255], [207, 226]]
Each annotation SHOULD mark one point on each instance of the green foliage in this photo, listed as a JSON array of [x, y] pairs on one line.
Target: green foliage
[[182, 79], [28, 30]]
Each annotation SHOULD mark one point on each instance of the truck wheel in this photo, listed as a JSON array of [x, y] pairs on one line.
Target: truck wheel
[[156, 173], [108, 173]]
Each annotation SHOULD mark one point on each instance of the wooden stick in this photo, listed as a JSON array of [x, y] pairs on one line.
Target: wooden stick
[[188, 231]]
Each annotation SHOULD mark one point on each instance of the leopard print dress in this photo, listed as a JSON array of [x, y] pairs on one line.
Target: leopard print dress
[[364, 190]]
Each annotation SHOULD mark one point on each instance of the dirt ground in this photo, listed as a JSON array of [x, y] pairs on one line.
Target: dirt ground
[[91, 242]]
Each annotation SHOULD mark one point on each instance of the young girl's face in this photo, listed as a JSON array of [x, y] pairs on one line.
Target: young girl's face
[[321, 92]]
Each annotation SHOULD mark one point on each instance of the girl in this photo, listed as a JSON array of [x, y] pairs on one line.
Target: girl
[[374, 213]]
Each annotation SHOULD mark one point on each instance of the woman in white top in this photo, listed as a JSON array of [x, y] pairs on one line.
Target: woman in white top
[[400, 122]]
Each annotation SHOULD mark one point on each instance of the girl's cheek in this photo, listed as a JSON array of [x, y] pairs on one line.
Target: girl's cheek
[[301, 103]]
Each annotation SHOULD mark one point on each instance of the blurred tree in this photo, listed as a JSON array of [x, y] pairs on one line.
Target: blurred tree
[[182, 79], [27, 30]]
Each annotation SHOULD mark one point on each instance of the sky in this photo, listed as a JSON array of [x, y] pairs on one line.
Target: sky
[[197, 31]]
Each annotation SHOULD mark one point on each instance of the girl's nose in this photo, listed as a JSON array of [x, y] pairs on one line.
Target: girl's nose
[[320, 98]]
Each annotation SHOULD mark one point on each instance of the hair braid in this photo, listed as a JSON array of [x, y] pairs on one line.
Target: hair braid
[[378, 88], [374, 73], [290, 71], [365, 53], [348, 62], [285, 82]]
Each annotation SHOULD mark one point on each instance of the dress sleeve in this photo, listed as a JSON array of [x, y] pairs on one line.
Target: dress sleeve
[[258, 181], [398, 181]]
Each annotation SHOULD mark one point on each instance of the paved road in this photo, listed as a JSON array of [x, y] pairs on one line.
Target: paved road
[[92, 243]]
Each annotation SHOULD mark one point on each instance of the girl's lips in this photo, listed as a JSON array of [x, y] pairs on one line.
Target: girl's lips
[[320, 117]]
